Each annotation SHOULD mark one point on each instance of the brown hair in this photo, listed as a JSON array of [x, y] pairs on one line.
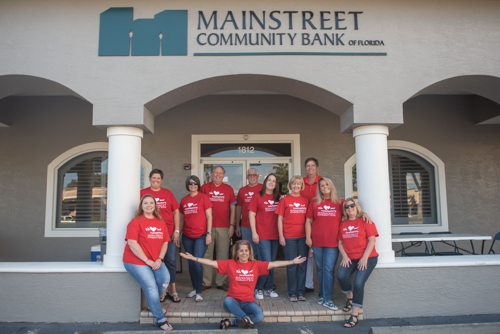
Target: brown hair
[[276, 191], [237, 246], [344, 211], [140, 211]]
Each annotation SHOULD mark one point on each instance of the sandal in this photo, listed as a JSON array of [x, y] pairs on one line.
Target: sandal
[[168, 327], [302, 298], [191, 294], [164, 297], [224, 323], [199, 298], [348, 305], [244, 323], [293, 299], [351, 323], [174, 297]]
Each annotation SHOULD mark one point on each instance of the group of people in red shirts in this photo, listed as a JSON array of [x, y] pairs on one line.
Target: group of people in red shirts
[[311, 216]]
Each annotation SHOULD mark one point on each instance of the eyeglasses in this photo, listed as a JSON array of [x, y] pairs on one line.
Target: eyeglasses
[[352, 206], [253, 175], [191, 183]]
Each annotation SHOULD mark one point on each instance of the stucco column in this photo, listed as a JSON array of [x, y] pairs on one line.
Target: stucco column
[[372, 167], [124, 170]]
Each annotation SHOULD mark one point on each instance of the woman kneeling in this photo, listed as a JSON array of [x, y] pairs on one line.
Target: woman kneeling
[[357, 246], [242, 271]]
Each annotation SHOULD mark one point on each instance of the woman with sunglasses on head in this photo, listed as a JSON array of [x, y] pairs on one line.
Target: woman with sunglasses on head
[[357, 246], [291, 227], [242, 271], [322, 227], [147, 242], [264, 224], [196, 231]]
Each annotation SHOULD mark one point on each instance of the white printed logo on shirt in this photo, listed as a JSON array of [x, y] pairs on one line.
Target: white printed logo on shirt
[[244, 275]]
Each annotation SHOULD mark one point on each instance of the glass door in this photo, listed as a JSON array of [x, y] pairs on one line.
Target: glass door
[[234, 176], [279, 166]]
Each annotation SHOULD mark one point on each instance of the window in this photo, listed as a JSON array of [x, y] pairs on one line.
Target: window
[[417, 187], [77, 191]]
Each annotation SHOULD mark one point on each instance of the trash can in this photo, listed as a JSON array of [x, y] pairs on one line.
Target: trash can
[[95, 253], [102, 239]]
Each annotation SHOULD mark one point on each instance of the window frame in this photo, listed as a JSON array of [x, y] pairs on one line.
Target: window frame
[[51, 230], [439, 180]]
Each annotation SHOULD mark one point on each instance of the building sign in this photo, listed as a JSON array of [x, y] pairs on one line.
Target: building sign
[[231, 33]]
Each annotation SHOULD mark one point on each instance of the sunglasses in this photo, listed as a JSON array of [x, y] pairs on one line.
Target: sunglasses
[[347, 206], [191, 183]]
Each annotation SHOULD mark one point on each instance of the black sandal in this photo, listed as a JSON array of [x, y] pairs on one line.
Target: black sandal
[[244, 323], [224, 323], [351, 322], [348, 305], [160, 324]]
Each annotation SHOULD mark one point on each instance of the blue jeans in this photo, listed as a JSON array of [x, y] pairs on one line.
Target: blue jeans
[[344, 275], [170, 261], [243, 309], [296, 273], [196, 247], [268, 249], [246, 234], [326, 259], [153, 283]]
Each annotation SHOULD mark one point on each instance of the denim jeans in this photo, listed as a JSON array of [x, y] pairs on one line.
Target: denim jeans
[[246, 234], [170, 261], [243, 309], [196, 247], [344, 275], [153, 283], [296, 273], [326, 259], [268, 249]]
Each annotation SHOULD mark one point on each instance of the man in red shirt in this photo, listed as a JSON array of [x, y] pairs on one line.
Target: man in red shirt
[[309, 192], [243, 200], [223, 214]]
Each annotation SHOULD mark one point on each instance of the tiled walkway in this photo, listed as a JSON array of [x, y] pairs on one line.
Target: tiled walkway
[[275, 309]]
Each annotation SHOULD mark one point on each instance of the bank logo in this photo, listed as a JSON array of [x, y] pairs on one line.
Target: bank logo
[[121, 35]]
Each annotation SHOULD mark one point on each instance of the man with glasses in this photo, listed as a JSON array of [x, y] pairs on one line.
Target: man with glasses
[[223, 213], [309, 192], [245, 195]]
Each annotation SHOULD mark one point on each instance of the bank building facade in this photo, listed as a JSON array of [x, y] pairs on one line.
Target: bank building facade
[[398, 100]]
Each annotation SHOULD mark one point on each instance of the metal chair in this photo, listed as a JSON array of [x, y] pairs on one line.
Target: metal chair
[[414, 244], [496, 237], [454, 252]]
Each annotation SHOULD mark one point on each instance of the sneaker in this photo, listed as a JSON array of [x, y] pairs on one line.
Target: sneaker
[[271, 293], [320, 301], [330, 305], [259, 294]]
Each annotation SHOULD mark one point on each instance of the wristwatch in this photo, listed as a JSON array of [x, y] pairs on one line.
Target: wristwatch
[[177, 231], [209, 232]]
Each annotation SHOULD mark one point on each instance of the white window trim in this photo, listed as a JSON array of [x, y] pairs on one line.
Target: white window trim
[[51, 197], [441, 201], [197, 140]]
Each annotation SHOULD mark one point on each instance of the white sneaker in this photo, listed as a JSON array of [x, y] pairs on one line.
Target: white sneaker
[[259, 294], [330, 305], [271, 293]]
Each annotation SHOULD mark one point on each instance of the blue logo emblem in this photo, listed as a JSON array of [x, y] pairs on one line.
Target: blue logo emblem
[[121, 35]]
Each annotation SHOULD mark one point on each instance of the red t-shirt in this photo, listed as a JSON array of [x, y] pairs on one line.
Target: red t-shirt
[[265, 219], [221, 197], [293, 209], [195, 219], [166, 203], [309, 191], [150, 234], [326, 221], [244, 197], [354, 235], [242, 277]]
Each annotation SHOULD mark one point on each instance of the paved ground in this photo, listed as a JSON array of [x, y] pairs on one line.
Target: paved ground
[[267, 328]]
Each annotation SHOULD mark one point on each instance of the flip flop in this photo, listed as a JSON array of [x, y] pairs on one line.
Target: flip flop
[[174, 297]]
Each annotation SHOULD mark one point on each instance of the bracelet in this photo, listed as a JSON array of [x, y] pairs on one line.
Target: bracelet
[[232, 225], [197, 259], [290, 262], [146, 262]]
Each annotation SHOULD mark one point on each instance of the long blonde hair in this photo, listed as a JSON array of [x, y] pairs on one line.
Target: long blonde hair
[[334, 197], [139, 212]]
